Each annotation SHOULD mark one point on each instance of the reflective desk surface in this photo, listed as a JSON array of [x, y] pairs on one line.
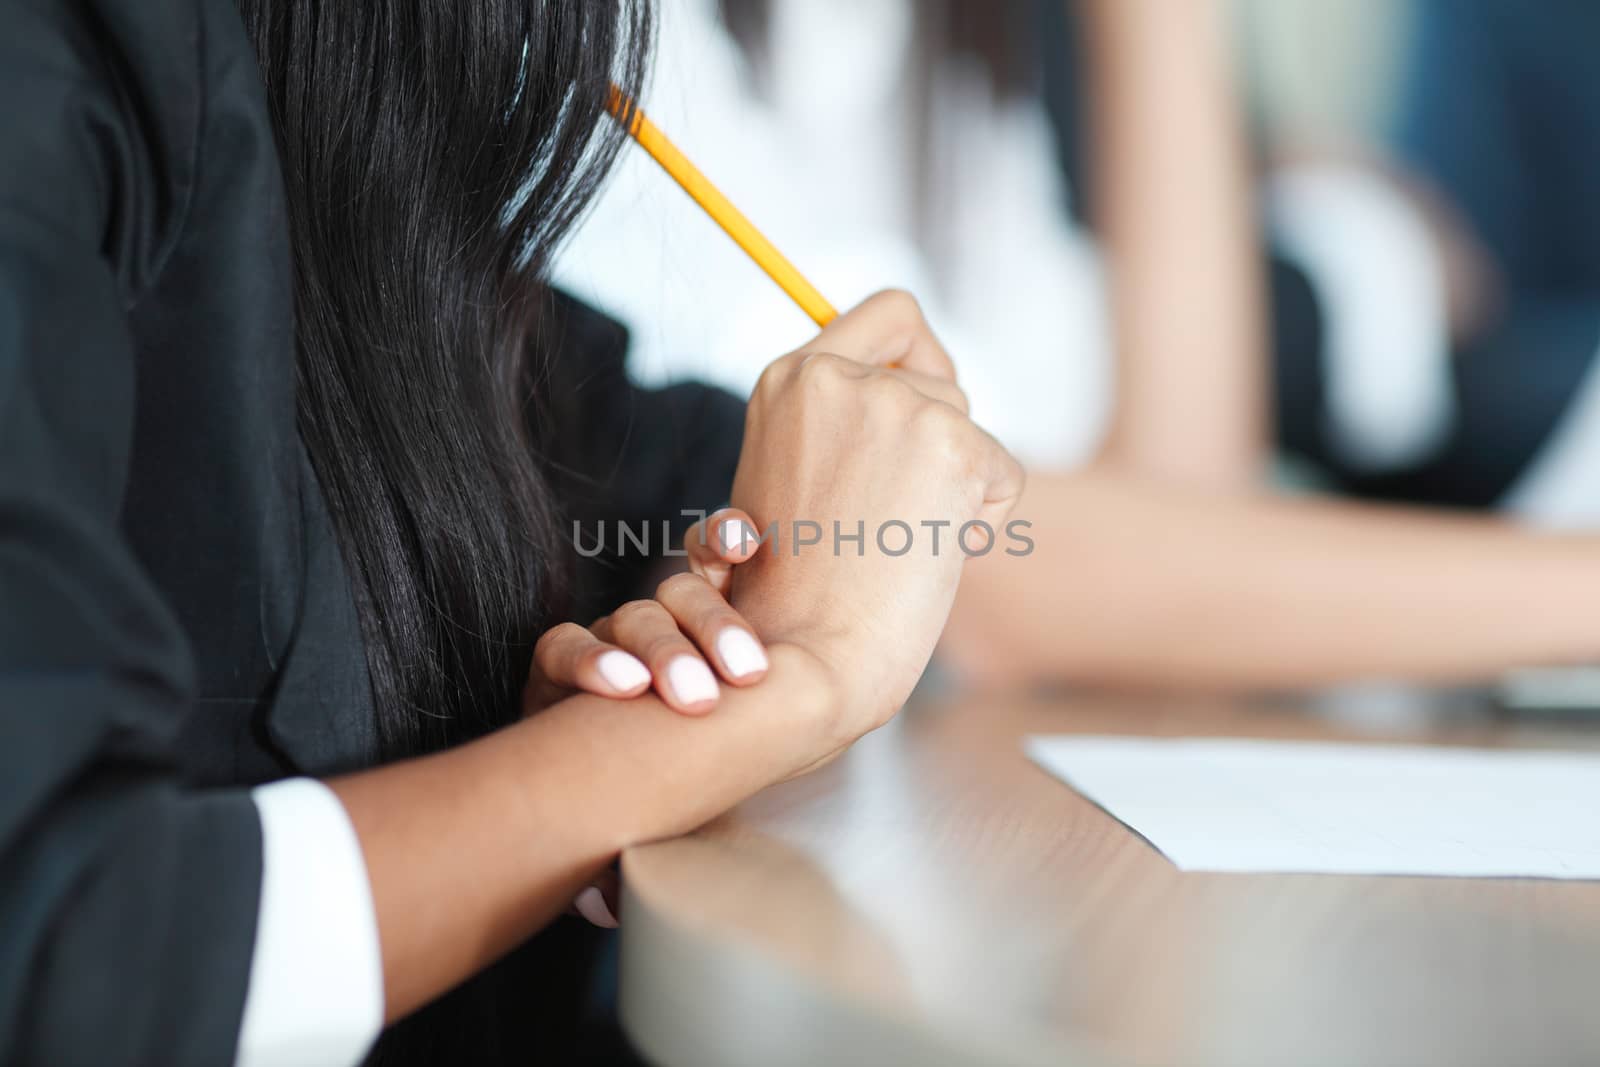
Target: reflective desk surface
[[934, 899]]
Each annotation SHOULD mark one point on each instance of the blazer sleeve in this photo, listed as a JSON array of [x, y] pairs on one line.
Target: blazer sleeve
[[128, 902]]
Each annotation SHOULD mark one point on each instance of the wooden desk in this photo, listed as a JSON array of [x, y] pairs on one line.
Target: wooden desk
[[933, 899]]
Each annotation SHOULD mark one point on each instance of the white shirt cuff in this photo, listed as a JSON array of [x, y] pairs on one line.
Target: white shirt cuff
[[315, 997], [1381, 288]]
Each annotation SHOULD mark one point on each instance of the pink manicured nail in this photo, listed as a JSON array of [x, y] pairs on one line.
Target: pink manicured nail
[[591, 904], [740, 652], [622, 672], [735, 534], [691, 680]]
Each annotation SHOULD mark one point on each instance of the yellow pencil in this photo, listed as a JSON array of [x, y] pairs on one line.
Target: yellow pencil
[[722, 212]]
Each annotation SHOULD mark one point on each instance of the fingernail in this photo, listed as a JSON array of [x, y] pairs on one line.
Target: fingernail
[[740, 652], [691, 680], [591, 904], [622, 672], [735, 534]]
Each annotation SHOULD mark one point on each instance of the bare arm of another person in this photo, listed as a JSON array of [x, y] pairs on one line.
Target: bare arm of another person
[[1157, 586], [1172, 194]]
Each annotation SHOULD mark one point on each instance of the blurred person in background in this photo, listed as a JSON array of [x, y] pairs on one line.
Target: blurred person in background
[[897, 143], [1435, 325], [905, 144], [1455, 273]]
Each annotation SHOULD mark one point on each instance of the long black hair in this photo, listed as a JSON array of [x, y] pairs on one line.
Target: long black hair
[[434, 152]]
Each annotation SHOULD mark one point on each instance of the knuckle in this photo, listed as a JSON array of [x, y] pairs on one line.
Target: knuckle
[[773, 377], [710, 614], [821, 367], [936, 421], [635, 613], [556, 635], [899, 306], [822, 377], [943, 432], [679, 586]]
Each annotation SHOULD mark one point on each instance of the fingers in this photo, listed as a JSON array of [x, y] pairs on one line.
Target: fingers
[[940, 389], [887, 329], [648, 630], [667, 642], [703, 614], [1003, 475], [719, 543], [985, 462], [948, 419], [571, 657]]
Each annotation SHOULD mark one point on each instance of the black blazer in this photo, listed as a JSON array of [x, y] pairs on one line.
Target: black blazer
[[175, 619]]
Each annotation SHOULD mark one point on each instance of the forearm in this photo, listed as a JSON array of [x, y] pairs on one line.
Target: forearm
[[1149, 586], [470, 851], [1172, 194]]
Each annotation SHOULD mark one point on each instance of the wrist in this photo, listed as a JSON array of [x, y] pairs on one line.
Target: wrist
[[817, 686], [659, 773], [756, 737]]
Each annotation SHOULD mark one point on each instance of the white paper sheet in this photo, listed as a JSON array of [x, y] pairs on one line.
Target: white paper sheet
[[1269, 806]]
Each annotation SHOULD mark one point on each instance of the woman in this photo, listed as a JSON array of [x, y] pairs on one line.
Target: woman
[[290, 435]]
